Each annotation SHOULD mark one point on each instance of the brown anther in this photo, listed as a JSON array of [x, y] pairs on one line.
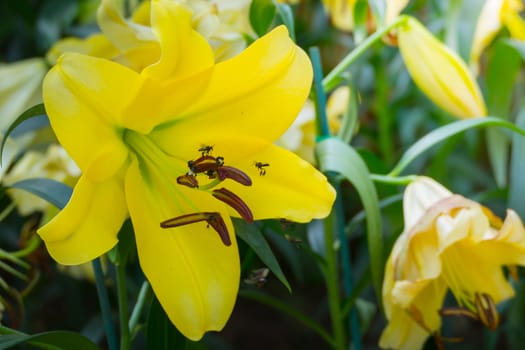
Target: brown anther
[[228, 172], [213, 219], [487, 313], [235, 202], [203, 164], [188, 180]]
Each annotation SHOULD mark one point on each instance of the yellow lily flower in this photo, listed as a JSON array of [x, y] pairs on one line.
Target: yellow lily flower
[[181, 145], [494, 15], [449, 243], [439, 72]]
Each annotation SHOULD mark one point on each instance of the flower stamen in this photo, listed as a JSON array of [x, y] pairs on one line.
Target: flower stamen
[[214, 219], [235, 202]]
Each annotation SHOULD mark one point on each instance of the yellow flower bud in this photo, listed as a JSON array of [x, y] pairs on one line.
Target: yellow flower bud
[[439, 72]]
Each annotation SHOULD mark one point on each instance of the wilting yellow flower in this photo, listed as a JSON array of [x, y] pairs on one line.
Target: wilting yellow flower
[[439, 72], [20, 88], [300, 136], [181, 145], [494, 15], [54, 164], [449, 243]]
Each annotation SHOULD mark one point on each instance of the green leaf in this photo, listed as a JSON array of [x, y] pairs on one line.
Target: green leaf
[[126, 245], [286, 15], [52, 191], [262, 13], [360, 21], [517, 169], [502, 69], [30, 113], [519, 45], [161, 334], [337, 156], [56, 340], [443, 133], [253, 237]]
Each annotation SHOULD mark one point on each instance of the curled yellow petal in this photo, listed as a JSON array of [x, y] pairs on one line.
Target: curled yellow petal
[[439, 72], [87, 227]]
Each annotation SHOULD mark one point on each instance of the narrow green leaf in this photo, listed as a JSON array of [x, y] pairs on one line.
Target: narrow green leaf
[[444, 132], [337, 156], [502, 69], [519, 45], [262, 13], [30, 113], [286, 15], [517, 169], [360, 21], [52, 191], [255, 240], [59, 340]]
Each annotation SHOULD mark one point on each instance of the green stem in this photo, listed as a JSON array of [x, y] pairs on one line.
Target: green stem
[[34, 243], [104, 305], [287, 309], [393, 180], [331, 272], [332, 79], [144, 293], [346, 265], [332, 285], [123, 306]]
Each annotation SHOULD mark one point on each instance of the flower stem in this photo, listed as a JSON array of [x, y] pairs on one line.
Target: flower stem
[[104, 305], [332, 285], [144, 294], [333, 78], [331, 267], [393, 180], [123, 306]]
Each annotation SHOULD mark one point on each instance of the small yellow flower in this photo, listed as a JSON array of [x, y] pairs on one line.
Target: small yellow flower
[[439, 72], [494, 15], [180, 146], [449, 243]]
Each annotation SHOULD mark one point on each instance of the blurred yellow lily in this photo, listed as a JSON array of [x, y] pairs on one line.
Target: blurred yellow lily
[[449, 243], [54, 164], [20, 88], [181, 145], [300, 136], [494, 15], [439, 72]]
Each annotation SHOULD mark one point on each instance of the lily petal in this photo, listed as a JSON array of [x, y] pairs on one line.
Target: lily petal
[[84, 101], [184, 52], [255, 94], [193, 274], [87, 227], [291, 189]]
